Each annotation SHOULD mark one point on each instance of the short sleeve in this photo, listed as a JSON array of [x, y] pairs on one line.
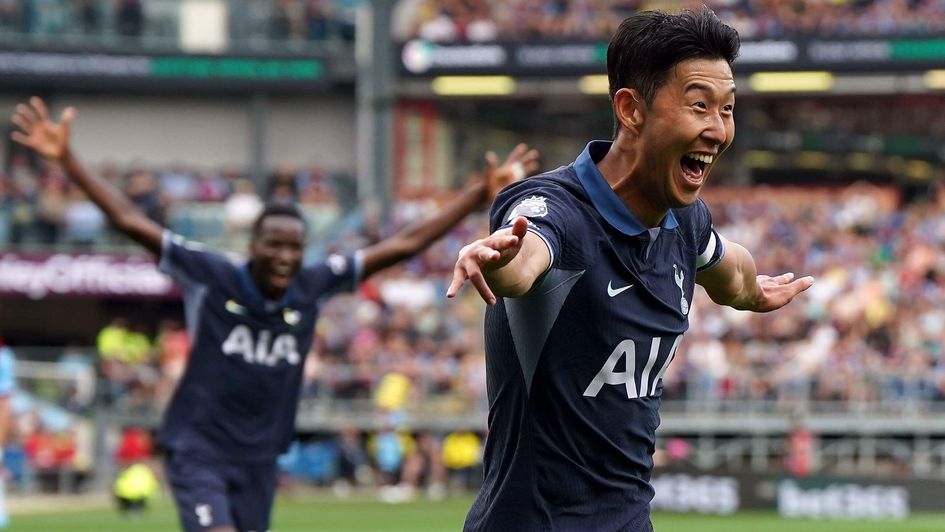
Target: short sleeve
[[189, 263], [548, 209], [337, 273]]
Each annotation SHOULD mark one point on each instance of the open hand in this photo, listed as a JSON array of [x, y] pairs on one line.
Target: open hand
[[775, 292], [486, 255], [39, 132], [521, 163]]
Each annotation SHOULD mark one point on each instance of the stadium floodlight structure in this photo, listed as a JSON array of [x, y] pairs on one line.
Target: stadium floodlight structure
[[375, 103]]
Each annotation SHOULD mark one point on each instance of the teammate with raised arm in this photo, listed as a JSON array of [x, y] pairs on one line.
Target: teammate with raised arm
[[251, 326], [590, 273]]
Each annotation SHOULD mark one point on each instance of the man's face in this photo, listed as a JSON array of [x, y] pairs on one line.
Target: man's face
[[688, 126], [276, 253]]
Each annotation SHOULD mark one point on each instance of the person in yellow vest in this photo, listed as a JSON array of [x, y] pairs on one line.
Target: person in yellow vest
[[393, 392], [462, 454], [112, 348], [135, 487]]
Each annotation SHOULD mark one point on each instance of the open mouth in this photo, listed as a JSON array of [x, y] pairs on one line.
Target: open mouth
[[281, 274], [694, 166]]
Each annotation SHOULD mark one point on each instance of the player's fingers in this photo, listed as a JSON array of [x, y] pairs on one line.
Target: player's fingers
[[40, 106], [25, 113], [492, 160], [518, 151], [508, 241], [520, 227], [487, 255], [784, 278], [787, 292], [459, 277], [531, 162], [482, 287], [20, 138], [68, 115], [802, 284], [491, 248], [515, 154], [22, 123]]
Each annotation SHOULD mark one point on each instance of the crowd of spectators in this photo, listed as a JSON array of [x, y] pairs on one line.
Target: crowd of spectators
[[868, 334], [521, 20], [276, 20], [473, 20], [871, 329], [870, 258], [39, 206]]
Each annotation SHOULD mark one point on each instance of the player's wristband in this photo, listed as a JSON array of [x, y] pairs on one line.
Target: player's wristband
[[518, 171]]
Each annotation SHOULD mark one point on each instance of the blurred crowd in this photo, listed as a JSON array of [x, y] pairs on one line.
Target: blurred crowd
[[470, 20], [39, 206], [871, 330], [279, 20], [520, 20], [870, 333]]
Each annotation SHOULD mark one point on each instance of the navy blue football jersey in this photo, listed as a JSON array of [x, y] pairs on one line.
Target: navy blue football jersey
[[574, 366], [238, 397]]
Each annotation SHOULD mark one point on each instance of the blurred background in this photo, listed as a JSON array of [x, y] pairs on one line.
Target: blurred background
[[368, 114]]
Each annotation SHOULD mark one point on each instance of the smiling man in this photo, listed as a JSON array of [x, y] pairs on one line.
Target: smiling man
[[594, 265], [251, 326]]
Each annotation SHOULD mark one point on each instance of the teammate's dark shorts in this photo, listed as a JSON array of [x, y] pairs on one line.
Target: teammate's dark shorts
[[126, 505], [213, 494]]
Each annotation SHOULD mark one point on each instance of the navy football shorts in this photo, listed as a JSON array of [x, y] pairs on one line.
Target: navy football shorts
[[213, 494]]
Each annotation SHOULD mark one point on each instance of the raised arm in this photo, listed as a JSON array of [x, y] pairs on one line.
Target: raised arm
[[735, 282], [51, 140], [482, 189], [506, 263]]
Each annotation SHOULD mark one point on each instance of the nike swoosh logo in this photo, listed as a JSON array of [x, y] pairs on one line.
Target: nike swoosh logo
[[611, 291]]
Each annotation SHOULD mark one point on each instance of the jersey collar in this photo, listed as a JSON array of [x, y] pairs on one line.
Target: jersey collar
[[603, 197]]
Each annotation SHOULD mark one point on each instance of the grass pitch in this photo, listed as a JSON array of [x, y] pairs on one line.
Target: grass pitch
[[320, 513]]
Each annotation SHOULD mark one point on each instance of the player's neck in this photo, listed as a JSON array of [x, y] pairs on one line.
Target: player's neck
[[269, 292], [620, 168]]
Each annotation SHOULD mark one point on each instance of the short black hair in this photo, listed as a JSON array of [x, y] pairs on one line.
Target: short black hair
[[648, 44], [278, 209]]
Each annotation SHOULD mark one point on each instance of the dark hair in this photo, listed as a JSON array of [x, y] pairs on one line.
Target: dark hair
[[277, 209], [648, 44]]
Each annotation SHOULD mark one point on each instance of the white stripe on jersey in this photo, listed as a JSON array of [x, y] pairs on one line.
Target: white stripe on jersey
[[706, 255], [551, 249]]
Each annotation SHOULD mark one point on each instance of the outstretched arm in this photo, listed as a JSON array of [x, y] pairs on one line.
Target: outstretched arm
[[482, 189], [51, 140], [506, 263], [735, 282]]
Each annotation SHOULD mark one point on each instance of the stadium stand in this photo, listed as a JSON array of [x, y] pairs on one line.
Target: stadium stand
[[849, 381], [155, 22], [487, 20]]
